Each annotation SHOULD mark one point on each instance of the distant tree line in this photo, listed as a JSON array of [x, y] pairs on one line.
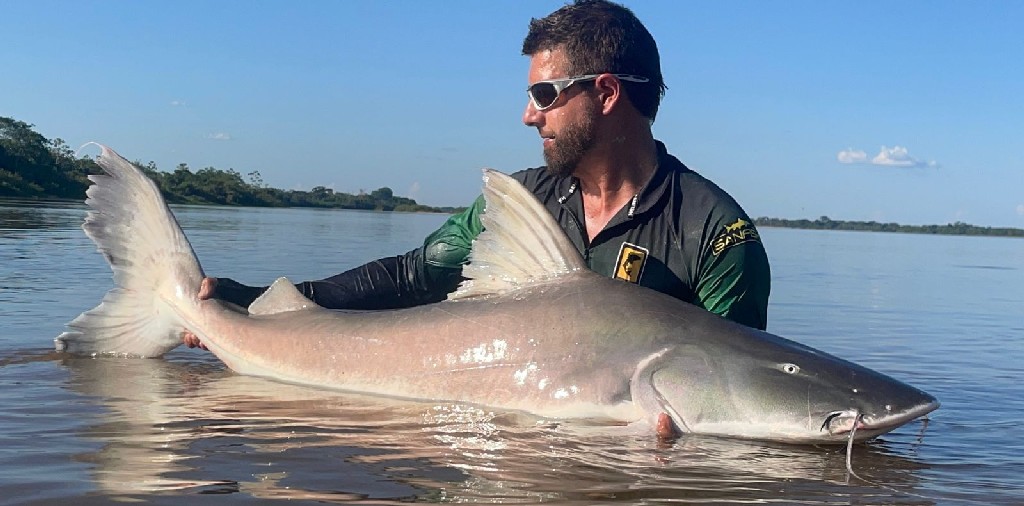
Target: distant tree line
[[32, 166], [825, 223]]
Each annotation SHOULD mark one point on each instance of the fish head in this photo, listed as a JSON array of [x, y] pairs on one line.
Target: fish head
[[774, 389]]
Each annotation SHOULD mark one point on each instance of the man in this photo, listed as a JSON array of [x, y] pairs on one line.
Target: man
[[634, 211]]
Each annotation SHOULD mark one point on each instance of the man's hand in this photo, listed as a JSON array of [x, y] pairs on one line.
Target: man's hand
[[206, 290]]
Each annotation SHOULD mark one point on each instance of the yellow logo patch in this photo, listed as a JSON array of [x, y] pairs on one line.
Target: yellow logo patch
[[740, 232], [631, 262]]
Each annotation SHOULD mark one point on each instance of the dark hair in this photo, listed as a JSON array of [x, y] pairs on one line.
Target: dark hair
[[599, 36]]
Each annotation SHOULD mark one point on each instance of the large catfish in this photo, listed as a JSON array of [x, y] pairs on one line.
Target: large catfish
[[532, 330]]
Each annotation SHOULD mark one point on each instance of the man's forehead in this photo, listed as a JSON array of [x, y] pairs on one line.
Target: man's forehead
[[548, 64]]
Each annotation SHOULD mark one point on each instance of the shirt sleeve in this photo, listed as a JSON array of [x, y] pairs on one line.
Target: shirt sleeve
[[736, 282], [421, 276]]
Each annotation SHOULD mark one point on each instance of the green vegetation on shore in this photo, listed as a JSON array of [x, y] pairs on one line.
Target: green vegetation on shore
[[34, 167], [825, 223]]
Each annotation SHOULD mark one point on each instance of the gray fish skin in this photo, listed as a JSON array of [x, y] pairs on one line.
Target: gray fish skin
[[564, 342]]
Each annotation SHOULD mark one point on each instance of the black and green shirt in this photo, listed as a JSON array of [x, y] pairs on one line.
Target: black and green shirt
[[681, 235]]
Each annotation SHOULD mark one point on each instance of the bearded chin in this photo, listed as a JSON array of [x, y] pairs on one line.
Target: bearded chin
[[570, 146]]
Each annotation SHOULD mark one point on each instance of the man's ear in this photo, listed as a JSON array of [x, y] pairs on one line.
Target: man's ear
[[609, 92]]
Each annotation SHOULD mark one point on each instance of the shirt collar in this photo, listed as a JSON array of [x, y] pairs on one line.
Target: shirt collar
[[650, 194], [660, 183]]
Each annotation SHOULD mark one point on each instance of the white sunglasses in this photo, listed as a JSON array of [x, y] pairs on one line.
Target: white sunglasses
[[544, 94]]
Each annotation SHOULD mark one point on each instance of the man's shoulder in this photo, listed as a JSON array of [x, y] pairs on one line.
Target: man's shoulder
[[715, 209], [700, 196], [544, 184], [708, 211], [707, 193], [534, 176]]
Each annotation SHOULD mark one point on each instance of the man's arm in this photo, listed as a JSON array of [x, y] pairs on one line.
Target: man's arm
[[736, 283], [421, 276]]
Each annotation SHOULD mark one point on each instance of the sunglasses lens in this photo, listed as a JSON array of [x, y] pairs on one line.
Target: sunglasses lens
[[544, 94]]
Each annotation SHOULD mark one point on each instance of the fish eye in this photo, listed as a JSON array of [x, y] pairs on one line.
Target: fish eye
[[790, 368]]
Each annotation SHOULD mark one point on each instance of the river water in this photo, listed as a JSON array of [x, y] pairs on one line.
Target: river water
[[945, 314]]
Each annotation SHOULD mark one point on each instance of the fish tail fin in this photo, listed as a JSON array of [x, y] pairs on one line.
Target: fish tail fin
[[152, 262]]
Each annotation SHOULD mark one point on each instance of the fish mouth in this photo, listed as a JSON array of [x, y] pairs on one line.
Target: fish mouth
[[868, 425]]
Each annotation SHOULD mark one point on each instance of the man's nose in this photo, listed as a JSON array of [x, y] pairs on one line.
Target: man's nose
[[531, 116]]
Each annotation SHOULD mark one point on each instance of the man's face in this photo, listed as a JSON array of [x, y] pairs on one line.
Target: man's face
[[567, 127]]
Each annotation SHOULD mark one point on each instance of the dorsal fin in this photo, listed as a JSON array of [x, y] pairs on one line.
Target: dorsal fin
[[282, 296], [521, 244]]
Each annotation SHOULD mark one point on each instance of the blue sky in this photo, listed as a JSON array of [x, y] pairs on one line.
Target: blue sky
[[908, 111]]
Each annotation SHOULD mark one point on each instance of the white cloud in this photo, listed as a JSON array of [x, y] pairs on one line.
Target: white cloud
[[851, 155], [414, 190], [177, 103], [1020, 209], [896, 156], [219, 136]]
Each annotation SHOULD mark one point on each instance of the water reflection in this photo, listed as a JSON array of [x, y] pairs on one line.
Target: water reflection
[[18, 215], [171, 426], [187, 426]]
